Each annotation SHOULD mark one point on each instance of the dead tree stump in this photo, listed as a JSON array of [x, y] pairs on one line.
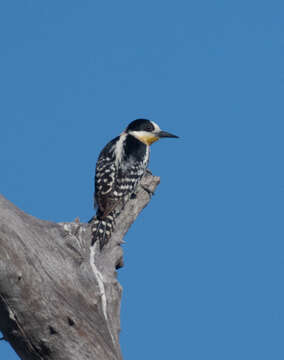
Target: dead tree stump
[[59, 299]]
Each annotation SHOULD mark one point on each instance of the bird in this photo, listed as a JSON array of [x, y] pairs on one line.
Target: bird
[[119, 169]]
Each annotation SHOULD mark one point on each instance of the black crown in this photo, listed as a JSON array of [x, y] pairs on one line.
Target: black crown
[[140, 125]]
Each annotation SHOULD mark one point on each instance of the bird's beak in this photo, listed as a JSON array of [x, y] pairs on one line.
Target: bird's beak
[[163, 134]]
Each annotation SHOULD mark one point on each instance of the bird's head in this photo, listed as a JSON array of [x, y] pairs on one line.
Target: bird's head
[[147, 131]]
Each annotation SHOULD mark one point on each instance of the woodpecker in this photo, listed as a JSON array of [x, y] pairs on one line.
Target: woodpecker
[[120, 167]]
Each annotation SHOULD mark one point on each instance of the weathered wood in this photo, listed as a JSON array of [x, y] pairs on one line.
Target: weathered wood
[[59, 299]]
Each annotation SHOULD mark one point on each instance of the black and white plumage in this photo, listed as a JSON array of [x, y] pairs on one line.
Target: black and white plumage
[[120, 167]]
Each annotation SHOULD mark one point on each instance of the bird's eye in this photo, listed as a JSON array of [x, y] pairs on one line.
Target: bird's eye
[[149, 127]]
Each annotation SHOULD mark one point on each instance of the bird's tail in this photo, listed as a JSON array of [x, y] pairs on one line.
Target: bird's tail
[[102, 228]]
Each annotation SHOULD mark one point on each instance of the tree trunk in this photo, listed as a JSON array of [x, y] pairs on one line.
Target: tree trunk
[[59, 298]]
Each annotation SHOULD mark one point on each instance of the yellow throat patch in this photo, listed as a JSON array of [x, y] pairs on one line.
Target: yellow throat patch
[[148, 139]]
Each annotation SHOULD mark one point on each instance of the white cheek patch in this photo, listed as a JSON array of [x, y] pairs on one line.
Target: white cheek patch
[[141, 134], [156, 126]]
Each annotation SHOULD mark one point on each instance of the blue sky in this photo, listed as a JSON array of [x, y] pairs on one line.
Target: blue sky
[[203, 275]]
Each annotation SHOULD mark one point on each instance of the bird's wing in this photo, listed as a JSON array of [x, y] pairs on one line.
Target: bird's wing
[[115, 180], [114, 192]]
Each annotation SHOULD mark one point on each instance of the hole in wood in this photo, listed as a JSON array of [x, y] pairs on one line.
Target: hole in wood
[[70, 321], [52, 331]]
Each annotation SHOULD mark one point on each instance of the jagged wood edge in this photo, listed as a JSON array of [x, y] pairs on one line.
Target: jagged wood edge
[[58, 299]]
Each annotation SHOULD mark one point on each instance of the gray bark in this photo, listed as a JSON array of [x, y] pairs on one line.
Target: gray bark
[[59, 299]]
